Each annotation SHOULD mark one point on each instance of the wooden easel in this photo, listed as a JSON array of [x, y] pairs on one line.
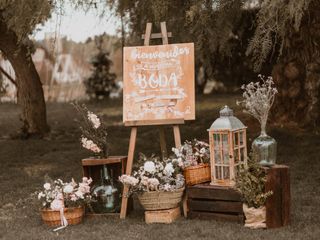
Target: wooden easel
[[160, 123]]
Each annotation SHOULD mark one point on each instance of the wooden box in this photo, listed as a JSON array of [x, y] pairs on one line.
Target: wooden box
[[162, 216], [92, 168], [213, 202], [278, 204]]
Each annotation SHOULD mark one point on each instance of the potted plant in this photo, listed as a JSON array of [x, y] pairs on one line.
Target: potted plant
[[258, 100], [159, 184], [63, 202], [194, 157], [250, 181]]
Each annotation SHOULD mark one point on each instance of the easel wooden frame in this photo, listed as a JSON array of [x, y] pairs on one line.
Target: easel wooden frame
[[134, 124]]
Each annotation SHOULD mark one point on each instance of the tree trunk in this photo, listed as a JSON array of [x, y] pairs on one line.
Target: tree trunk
[[29, 88]]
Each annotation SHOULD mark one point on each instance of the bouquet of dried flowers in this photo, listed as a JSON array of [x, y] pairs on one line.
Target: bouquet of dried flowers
[[192, 153], [94, 132], [258, 99], [154, 174], [57, 194]]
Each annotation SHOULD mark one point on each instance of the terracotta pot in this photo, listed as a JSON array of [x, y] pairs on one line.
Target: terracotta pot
[[255, 217], [52, 218]]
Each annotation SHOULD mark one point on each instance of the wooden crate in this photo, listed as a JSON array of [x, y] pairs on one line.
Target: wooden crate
[[162, 216], [213, 202], [92, 168], [278, 204]]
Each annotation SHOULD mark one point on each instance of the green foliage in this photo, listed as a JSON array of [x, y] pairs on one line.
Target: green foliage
[[275, 20], [101, 82], [250, 182], [22, 17]]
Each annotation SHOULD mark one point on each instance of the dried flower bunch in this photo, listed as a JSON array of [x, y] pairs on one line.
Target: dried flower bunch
[[58, 194], [94, 133], [250, 181], [258, 99], [154, 174], [192, 153]]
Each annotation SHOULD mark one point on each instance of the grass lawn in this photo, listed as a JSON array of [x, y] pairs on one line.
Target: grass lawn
[[24, 164]]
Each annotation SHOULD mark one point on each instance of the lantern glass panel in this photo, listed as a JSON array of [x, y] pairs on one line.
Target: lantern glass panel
[[218, 172], [236, 156], [226, 173], [217, 156], [242, 155], [225, 148], [241, 138], [235, 139]]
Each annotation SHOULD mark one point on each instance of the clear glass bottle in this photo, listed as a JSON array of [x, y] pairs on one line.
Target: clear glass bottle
[[264, 149], [106, 196]]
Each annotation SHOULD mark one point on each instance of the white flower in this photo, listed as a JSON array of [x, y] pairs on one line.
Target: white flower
[[129, 180], [56, 204], [47, 186], [203, 150], [94, 120], [149, 167], [153, 183], [41, 195], [90, 145], [168, 170], [68, 189], [79, 194]]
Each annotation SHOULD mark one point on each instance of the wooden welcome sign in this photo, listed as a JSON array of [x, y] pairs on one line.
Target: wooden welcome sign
[[158, 90], [159, 83]]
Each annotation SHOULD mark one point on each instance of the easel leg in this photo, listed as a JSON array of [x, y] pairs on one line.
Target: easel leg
[[163, 144], [177, 137], [132, 145], [177, 140]]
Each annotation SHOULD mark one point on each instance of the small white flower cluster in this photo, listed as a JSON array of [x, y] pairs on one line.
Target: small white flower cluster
[[94, 120], [258, 99], [58, 194], [155, 175], [90, 145], [192, 153]]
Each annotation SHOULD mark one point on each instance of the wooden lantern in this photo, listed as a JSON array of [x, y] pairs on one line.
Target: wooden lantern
[[228, 148]]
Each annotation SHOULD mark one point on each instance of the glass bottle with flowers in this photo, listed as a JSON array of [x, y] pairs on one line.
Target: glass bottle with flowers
[[105, 193], [258, 100]]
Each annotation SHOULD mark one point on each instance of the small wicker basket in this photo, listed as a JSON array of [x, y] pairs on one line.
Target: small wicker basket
[[52, 218], [160, 200], [197, 174]]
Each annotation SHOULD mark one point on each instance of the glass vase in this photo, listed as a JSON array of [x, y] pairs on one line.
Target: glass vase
[[264, 149]]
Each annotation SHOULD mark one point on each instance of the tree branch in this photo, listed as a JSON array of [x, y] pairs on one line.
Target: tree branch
[[8, 76]]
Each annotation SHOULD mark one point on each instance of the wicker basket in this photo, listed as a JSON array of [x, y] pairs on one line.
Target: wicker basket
[[197, 174], [159, 200], [52, 218]]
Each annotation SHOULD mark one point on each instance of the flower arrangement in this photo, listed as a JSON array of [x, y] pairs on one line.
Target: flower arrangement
[[154, 174], [94, 133], [258, 99], [192, 153], [57, 194]]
